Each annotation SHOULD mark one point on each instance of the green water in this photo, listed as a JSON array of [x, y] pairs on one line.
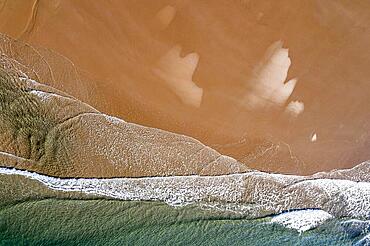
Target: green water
[[104, 222], [32, 214]]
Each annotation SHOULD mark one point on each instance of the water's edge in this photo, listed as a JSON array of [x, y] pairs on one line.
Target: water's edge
[[254, 194]]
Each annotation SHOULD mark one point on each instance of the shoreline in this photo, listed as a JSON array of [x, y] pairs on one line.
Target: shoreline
[[254, 194]]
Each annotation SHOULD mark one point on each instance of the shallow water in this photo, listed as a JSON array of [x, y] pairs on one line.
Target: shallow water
[[104, 222], [33, 214]]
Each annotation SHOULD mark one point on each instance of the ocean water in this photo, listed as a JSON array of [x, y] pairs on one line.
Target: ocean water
[[112, 222], [32, 214]]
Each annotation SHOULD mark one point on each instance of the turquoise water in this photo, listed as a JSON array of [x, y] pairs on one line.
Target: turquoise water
[[106, 222]]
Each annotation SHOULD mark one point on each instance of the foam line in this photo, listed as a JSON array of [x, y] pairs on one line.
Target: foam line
[[257, 193]]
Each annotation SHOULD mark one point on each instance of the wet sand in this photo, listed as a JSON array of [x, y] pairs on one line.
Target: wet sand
[[284, 91]]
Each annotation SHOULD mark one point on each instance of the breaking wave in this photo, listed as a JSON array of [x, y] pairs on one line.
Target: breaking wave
[[254, 194]]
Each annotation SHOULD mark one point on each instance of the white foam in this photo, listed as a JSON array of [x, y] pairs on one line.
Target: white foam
[[302, 220], [43, 96], [365, 241], [178, 190], [253, 193], [114, 120]]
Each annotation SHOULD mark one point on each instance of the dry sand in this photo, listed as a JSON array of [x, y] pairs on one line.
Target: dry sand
[[223, 72]]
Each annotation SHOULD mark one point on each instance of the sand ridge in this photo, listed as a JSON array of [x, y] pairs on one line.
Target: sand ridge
[[121, 44]]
